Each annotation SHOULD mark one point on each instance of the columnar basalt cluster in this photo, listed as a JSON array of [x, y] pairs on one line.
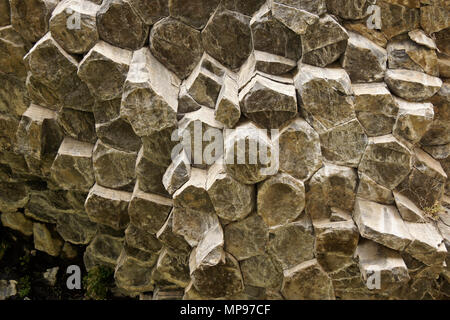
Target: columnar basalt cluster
[[91, 93]]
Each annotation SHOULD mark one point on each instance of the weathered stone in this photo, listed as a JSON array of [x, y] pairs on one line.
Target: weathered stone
[[8, 288], [14, 47], [439, 132], [227, 110], [374, 258], [14, 99], [118, 134], [186, 103], [149, 101], [18, 222], [324, 42], [139, 238], [316, 7], [148, 211], [307, 281], [420, 37], [397, 19], [177, 174], [408, 55], [149, 175], [443, 65], [413, 120], [174, 267], [364, 60], [325, 95], [72, 168], [76, 229], [386, 161], [266, 28], [295, 17], [281, 199], [170, 239], [247, 7], [108, 207], [412, 85], [221, 280], [30, 19], [434, 18], [370, 190], [150, 11], [292, 243], [74, 25], [246, 238], [104, 250], [335, 244], [79, 125], [382, 224], [40, 93], [227, 37], [45, 240], [176, 45], [366, 31], [9, 127], [114, 168], [349, 10], [106, 111], [344, 144], [331, 187], [408, 210], [104, 69], [195, 13], [5, 15], [159, 145], [119, 25], [260, 271], [231, 199], [375, 108], [267, 102]]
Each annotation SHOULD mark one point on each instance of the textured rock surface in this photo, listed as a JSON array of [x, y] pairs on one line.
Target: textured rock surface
[[233, 149]]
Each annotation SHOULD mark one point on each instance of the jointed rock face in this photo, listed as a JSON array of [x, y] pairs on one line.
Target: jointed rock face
[[130, 127]]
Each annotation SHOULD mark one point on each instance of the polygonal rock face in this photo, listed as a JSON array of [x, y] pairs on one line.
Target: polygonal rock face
[[74, 25], [45, 240], [281, 199], [103, 250], [227, 37], [149, 101], [324, 42], [170, 239], [30, 18], [72, 168], [13, 49], [238, 147], [412, 85], [76, 229], [227, 109], [120, 25], [114, 168], [408, 210], [292, 243], [140, 239], [307, 281], [150, 11], [439, 132], [246, 238], [176, 45], [148, 211], [375, 108], [316, 7], [13, 196], [104, 70], [108, 207], [397, 19], [119, 134], [149, 175], [325, 94], [381, 224], [267, 102], [78, 125], [173, 268], [177, 174], [221, 280], [434, 18], [13, 96], [331, 187], [17, 221], [231, 199], [364, 60], [386, 161], [296, 16], [195, 13], [247, 7], [350, 10], [370, 190], [260, 271], [413, 121]]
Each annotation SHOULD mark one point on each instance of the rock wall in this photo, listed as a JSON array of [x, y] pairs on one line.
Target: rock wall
[[355, 96]]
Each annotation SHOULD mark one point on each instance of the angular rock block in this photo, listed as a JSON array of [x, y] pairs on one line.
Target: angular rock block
[[46, 240], [106, 111], [375, 108], [108, 207], [150, 11], [439, 132], [30, 19], [281, 199], [408, 210], [17, 221], [120, 25], [307, 281], [297, 16], [325, 95], [331, 187], [364, 60], [177, 174], [397, 18], [177, 45], [139, 238], [412, 85], [268, 103], [72, 168], [113, 168], [76, 229], [434, 18], [14, 48], [173, 268], [104, 69], [246, 238], [148, 211], [40, 93], [232, 200], [159, 146], [103, 250], [119, 134], [248, 7], [349, 10], [74, 25], [77, 124], [196, 13], [227, 37], [227, 109], [386, 161], [9, 127], [370, 190], [172, 240], [260, 271], [149, 175], [382, 224]]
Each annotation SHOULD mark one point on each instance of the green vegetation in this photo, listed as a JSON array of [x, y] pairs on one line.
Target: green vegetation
[[24, 286], [98, 282], [433, 212]]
